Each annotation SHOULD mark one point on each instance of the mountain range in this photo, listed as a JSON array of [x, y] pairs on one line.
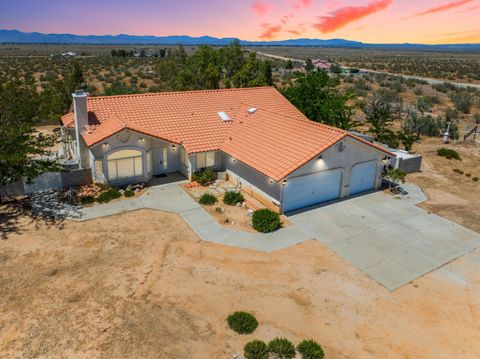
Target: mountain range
[[19, 37]]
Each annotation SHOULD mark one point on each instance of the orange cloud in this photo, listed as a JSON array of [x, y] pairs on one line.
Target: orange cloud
[[270, 31], [346, 15], [444, 7], [260, 8], [473, 8]]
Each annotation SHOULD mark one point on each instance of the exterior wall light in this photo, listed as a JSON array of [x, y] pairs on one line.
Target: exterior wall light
[[105, 144], [271, 180], [142, 139], [320, 157], [284, 182], [174, 147]]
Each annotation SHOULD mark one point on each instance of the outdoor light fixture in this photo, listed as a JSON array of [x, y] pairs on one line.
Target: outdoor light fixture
[[142, 139], [105, 144], [174, 147], [271, 180], [320, 157], [284, 182]]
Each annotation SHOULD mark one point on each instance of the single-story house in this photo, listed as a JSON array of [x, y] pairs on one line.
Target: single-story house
[[265, 144]]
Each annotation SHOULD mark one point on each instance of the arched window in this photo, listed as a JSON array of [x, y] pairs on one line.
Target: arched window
[[125, 164]]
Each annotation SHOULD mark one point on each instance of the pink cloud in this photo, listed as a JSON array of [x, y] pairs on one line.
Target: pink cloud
[[444, 7], [298, 4], [346, 15], [270, 31], [294, 32], [260, 8]]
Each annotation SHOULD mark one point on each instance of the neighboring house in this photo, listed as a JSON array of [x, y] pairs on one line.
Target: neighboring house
[[255, 134], [322, 64], [69, 54]]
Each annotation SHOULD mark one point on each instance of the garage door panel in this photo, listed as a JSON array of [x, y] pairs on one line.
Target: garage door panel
[[363, 178], [312, 189]]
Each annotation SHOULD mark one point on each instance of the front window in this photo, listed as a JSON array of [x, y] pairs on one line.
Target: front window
[[205, 160], [125, 164]]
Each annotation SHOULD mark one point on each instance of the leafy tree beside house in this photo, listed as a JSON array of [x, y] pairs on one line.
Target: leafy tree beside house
[[23, 153], [315, 94]]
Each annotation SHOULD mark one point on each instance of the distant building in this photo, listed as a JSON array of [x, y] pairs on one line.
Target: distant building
[[69, 54], [322, 64]]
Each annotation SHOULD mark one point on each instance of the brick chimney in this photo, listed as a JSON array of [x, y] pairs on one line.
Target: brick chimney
[[80, 114]]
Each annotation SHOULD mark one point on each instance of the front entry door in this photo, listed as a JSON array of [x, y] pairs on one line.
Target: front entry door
[[159, 162]]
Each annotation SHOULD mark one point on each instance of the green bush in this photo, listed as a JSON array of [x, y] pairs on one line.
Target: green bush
[[128, 193], [448, 153], [310, 349], [86, 199], [231, 198], [265, 220], [282, 348], [256, 349], [109, 195], [204, 176], [459, 171], [242, 322], [208, 199]]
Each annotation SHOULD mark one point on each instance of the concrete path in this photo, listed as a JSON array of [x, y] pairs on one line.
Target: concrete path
[[391, 240], [172, 198], [388, 238]]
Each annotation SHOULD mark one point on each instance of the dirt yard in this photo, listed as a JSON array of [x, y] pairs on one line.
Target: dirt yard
[[451, 195], [143, 285]]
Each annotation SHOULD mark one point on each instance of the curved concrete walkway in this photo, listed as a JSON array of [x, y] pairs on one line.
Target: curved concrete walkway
[[172, 198]]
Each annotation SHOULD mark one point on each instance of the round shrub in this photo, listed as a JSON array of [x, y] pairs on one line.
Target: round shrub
[[231, 198], [448, 153], [256, 349], [204, 176], [282, 348], [108, 195], [208, 199], [128, 193], [87, 199], [242, 322], [265, 220], [310, 349]]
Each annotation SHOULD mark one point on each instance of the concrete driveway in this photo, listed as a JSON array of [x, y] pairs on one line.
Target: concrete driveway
[[391, 240]]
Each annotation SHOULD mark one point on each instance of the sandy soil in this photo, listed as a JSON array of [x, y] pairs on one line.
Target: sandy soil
[[231, 216], [143, 285], [451, 195]]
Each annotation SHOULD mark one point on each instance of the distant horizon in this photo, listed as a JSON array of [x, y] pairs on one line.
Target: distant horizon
[[227, 37], [428, 22]]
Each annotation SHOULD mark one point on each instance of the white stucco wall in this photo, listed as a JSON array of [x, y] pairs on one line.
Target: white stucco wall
[[354, 152]]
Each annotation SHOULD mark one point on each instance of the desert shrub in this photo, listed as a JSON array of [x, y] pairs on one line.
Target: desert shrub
[[129, 193], [265, 220], [281, 348], [87, 199], [204, 176], [207, 199], [457, 170], [468, 174], [395, 176], [231, 198], [108, 195], [242, 322], [476, 179], [463, 101], [448, 153], [256, 349], [310, 349]]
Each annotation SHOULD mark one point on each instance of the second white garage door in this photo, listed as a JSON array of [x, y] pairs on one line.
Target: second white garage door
[[311, 189], [363, 177]]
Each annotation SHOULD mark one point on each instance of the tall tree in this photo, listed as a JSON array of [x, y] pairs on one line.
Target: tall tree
[[23, 153], [317, 96]]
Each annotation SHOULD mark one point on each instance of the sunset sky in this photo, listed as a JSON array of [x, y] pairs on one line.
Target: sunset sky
[[375, 21]]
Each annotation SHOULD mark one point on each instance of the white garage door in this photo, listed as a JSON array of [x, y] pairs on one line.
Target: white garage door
[[311, 189], [363, 177]]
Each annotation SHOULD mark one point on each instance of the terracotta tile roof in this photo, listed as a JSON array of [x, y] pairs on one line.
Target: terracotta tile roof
[[275, 140], [275, 144], [190, 117]]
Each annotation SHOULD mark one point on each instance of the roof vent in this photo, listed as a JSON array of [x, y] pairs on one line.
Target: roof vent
[[252, 110], [223, 116]]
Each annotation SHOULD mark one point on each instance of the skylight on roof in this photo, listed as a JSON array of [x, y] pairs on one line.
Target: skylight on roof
[[223, 116], [252, 110]]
